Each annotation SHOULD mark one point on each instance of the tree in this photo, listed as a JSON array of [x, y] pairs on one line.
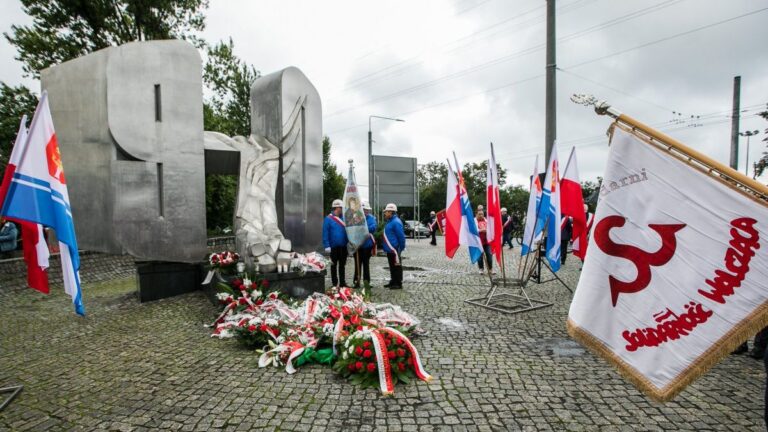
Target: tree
[[333, 182], [64, 29], [476, 181], [14, 103], [230, 79], [432, 179], [762, 163]]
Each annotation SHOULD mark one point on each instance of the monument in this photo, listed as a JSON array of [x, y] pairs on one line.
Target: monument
[[129, 120]]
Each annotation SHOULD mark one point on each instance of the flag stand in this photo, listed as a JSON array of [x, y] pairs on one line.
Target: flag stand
[[511, 301], [538, 266], [14, 391]]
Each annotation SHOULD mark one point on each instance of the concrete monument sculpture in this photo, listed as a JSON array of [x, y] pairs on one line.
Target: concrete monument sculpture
[[129, 122], [130, 125]]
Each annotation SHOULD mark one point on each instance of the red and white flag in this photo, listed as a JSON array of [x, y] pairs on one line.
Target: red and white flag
[[493, 208], [677, 271], [36, 252], [572, 204], [452, 214]]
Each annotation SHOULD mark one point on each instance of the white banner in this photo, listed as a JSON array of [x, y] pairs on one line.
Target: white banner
[[677, 270]]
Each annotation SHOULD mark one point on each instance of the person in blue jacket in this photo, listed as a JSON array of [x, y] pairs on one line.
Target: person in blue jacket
[[9, 236], [366, 250], [394, 245], [335, 243]]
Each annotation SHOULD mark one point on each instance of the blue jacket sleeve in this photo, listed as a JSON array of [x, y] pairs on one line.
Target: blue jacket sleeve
[[326, 233], [400, 238], [372, 225]]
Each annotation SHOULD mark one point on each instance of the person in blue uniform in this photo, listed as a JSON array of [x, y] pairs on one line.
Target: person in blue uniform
[[335, 243], [394, 245], [9, 237], [366, 250]]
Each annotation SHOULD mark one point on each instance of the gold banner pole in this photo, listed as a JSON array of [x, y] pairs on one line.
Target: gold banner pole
[[689, 155]]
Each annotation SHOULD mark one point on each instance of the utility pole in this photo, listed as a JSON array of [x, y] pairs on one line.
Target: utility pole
[[735, 123], [551, 103]]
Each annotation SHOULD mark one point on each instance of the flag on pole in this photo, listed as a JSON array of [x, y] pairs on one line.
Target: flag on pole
[[534, 198], [469, 235], [452, 214], [493, 208], [572, 203], [354, 217], [38, 194], [549, 211], [676, 277], [36, 252]]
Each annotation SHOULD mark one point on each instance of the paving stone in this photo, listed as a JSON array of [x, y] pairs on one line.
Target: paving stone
[[153, 366]]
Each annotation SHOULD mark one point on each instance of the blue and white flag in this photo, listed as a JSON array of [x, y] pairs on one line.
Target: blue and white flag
[[549, 211], [38, 194], [468, 233], [534, 198]]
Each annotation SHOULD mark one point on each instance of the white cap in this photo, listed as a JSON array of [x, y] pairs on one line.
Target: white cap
[[504, 209], [432, 213], [390, 207], [337, 203], [366, 206]]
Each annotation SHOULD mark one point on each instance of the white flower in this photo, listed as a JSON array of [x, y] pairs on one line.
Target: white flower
[[256, 294], [270, 322], [346, 344], [328, 331], [345, 355], [247, 282], [351, 349], [223, 296], [280, 339], [255, 321]]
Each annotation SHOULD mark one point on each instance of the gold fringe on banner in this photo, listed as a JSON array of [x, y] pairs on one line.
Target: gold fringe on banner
[[742, 331]]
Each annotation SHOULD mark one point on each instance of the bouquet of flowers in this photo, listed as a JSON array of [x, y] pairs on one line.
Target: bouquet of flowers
[[224, 262], [365, 342]]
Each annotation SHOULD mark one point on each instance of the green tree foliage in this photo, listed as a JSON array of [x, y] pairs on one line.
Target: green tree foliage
[[229, 79], [65, 29], [14, 103], [333, 182], [476, 179], [432, 179], [762, 164], [227, 110]]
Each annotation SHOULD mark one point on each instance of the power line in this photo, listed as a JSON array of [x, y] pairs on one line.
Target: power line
[[574, 66], [511, 56]]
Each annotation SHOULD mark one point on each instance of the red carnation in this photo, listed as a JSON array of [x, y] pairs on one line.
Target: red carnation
[[251, 328], [259, 301], [367, 353], [354, 319], [401, 366], [400, 341], [359, 328], [237, 281], [345, 310], [359, 351], [242, 301], [359, 365], [264, 283], [351, 367], [263, 327], [371, 367], [400, 352], [366, 344], [391, 355]]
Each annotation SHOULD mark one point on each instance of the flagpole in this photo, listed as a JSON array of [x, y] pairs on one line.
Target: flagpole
[[663, 140]]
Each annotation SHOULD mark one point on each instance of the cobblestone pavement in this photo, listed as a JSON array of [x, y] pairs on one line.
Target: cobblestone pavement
[[130, 366]]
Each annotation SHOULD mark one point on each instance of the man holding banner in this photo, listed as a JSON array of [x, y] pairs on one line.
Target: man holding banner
[[335, 243]]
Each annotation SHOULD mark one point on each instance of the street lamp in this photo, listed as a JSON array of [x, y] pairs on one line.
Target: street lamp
[[748, 134], [370, 152]]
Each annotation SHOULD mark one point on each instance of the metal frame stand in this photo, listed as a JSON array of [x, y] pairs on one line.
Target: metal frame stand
[[14, 391], [514, 300], [537, 275]]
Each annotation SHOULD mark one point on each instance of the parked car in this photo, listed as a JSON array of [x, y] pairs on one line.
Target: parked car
[[415, 229]]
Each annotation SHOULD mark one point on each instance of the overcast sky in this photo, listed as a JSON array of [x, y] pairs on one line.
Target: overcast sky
[[463, 73]]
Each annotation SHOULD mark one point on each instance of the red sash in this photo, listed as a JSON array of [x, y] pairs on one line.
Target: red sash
[[386, 240], [337, 220]]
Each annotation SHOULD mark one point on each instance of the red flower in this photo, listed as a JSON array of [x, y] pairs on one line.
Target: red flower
[[259, 301], [263, 327], [401, 366], [359, 351], [351, 367], [400, 341], [367, 353], [264, 283], [242, 301], [359, 328], [366, 344], [345, 310], [359, 365], [391, 355], [251, 328], [237, 282], [371, 367], [354, 319], [400, 352]]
